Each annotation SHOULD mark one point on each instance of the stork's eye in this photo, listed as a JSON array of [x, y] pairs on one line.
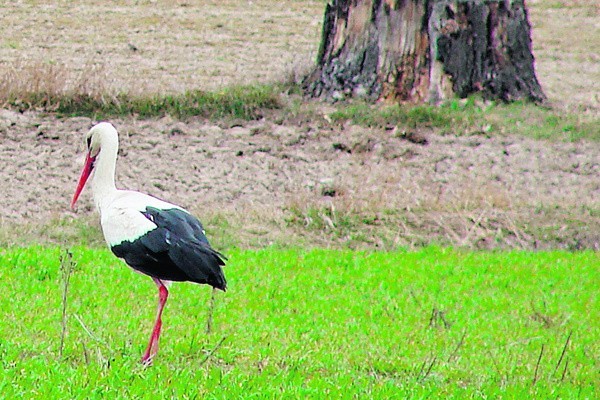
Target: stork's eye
[[89, 142]]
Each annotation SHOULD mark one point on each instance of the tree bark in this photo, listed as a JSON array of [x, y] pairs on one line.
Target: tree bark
[[425, 50]]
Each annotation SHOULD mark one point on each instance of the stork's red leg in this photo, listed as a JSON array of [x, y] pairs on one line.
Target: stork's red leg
[[163, 294]]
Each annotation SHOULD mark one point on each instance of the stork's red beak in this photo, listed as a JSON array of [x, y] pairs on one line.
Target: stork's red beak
[[85, 174]]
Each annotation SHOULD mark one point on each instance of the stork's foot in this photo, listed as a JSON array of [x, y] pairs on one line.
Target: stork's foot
[[152, 346], [147, 360]]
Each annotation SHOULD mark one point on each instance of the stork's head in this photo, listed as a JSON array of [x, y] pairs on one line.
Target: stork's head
[[98, 137]]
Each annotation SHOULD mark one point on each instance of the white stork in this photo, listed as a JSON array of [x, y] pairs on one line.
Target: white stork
[[154, 237]]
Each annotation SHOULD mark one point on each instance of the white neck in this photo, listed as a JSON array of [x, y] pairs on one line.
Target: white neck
[[103, 181]]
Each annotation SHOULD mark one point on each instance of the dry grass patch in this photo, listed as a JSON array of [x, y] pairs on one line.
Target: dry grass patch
[[44, 84], [166, 46], [51, 87], [526, 227]]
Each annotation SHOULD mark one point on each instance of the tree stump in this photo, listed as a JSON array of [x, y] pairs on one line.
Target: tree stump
[[425, 50]]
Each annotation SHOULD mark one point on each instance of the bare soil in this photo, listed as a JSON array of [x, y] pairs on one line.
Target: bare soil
[[472, 190], [282, 181]]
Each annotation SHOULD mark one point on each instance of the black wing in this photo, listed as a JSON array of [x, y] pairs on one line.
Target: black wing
[[177, 250]]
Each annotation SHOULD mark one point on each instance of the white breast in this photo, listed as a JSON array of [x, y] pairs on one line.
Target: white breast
[[122, 219]]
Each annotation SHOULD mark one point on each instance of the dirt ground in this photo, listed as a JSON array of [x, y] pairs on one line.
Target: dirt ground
[[264, 169], [468, 189]]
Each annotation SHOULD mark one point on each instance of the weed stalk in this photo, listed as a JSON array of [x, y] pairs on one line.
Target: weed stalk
[[211, 310], [67, 267], [213, 351], [564, 350], [537, 365]]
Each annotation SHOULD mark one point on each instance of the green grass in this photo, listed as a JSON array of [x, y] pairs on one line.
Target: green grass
[[244, 102], [473, 116], [435, 323]]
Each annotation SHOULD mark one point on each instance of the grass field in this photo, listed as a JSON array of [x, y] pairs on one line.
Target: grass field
[[307, 324]]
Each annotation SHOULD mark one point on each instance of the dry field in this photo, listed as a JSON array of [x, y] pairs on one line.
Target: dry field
[[173, 46], [272, 181], [163, 46]]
